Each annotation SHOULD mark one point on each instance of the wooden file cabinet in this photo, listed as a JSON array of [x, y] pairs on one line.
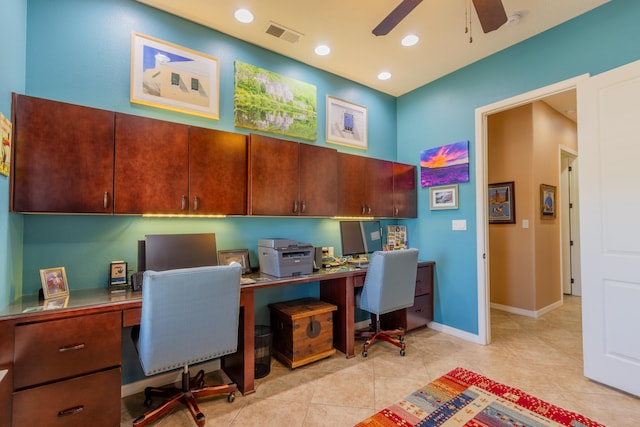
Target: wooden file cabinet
[[67, 371], [421, 312]]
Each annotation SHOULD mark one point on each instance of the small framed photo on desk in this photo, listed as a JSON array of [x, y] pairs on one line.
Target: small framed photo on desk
[[54, 282], [241, 256], [118, 275]]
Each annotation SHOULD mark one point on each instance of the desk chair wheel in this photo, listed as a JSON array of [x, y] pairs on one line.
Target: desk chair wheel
[[402, 352], [231, 397], [147, 402], [364, 353]]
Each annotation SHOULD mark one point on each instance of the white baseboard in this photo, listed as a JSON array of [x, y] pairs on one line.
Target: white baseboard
[[529, 313], [474, 338], [164, 379]]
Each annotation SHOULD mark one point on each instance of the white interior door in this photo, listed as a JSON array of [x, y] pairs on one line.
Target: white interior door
[[609, 144]]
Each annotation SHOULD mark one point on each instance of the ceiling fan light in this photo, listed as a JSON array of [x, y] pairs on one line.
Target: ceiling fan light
[[385, 75], [322, 50], [410, 40], [244, 16]]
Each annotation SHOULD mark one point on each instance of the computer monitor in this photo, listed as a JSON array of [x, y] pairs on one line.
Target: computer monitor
[[170, 251], [360, 237]]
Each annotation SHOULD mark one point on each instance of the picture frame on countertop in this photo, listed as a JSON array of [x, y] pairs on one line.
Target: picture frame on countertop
[[54, 282], [347, 123], [118, 273], [241, 256], [165, 75]]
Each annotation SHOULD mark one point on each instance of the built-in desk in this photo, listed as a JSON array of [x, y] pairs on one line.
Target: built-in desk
[[38, 345]]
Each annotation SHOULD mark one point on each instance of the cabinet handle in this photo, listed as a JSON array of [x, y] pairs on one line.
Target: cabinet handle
[[71, 348], [195, 203], [295, 206], [368, 210], [71, 411], [184, 202], [364, 209], [304, 207], [396, 211], [105, 200]]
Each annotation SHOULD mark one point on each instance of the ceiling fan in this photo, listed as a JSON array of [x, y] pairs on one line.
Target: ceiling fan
[[491, 14]]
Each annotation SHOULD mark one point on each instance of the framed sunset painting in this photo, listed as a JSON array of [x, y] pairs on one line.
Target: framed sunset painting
[[447, 164]]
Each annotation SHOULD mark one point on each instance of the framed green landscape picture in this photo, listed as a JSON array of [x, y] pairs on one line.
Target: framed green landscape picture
[[273, 103]]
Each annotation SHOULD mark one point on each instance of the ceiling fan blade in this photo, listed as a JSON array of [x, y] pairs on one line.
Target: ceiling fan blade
[[394, 18], [490, 13]]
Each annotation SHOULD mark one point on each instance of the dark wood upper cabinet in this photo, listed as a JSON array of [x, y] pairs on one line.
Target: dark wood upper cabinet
[[74, 159], [365, 186], [373, 187], [290, 178], [217, 172], [62, 157], [318, 180], [151, 166], [405, 191]]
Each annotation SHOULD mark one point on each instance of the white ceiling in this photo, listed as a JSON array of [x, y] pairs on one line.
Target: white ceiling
[[358, 55]]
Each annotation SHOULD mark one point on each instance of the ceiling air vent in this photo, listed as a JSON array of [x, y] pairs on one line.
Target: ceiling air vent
[[283, 33]]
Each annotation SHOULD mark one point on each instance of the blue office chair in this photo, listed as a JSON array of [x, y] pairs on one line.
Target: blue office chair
[[389, 285], [188, 316]]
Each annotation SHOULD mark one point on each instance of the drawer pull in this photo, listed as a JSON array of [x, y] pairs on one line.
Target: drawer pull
[[71, 347], [71, 411]]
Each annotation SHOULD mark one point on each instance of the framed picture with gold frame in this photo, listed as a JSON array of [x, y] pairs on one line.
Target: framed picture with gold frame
[[547, 201], [173, 77], [54, 282]]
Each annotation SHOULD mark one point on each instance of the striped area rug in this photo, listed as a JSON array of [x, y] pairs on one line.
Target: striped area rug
[[464, 398]]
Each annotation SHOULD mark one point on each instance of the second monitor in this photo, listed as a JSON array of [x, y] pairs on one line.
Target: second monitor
[[360, 238]]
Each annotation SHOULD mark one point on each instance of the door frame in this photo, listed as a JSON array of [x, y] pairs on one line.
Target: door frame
[[570, 224], [482, 224]]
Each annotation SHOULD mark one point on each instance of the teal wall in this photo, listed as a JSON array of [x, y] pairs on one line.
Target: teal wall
[[78, 51], [443, 112], [13, 42]]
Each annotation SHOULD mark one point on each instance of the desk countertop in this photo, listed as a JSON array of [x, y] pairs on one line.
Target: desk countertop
[[86, 298]]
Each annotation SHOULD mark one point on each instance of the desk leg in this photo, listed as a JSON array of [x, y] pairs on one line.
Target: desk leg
[[240, 365], [340, 293]]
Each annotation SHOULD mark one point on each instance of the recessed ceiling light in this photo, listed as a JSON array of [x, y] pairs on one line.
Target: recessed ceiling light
[[243, 15], [410, 40], [322, 50], [385, 75]]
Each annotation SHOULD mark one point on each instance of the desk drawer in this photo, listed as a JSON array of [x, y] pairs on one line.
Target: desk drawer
[[424, 280], [57, 349], [90, 400]]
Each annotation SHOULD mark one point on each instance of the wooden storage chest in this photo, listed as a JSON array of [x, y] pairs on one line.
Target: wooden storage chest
[[302, 331]]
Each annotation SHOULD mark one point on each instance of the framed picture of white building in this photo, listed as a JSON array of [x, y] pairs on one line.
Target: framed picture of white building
[[173, 77]]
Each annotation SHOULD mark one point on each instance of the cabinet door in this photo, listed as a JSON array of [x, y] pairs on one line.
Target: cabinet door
[[365, 186], [352, 185], [63, 157], [379, 188], [405, 194], [151, 166], [217, 172], [318, 180], [273, 176]]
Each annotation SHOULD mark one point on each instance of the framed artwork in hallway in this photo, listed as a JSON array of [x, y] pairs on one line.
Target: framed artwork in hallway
[[502, 205]]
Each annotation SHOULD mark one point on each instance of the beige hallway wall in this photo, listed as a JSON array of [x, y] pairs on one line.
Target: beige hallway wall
[[525, 259]]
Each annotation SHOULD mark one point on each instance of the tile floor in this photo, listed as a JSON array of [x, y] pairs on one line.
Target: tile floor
[[540, 356]]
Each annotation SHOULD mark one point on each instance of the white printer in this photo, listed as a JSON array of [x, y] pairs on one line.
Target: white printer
[[284, 257]]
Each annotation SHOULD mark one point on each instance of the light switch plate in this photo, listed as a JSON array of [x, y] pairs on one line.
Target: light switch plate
[[459, 224]]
